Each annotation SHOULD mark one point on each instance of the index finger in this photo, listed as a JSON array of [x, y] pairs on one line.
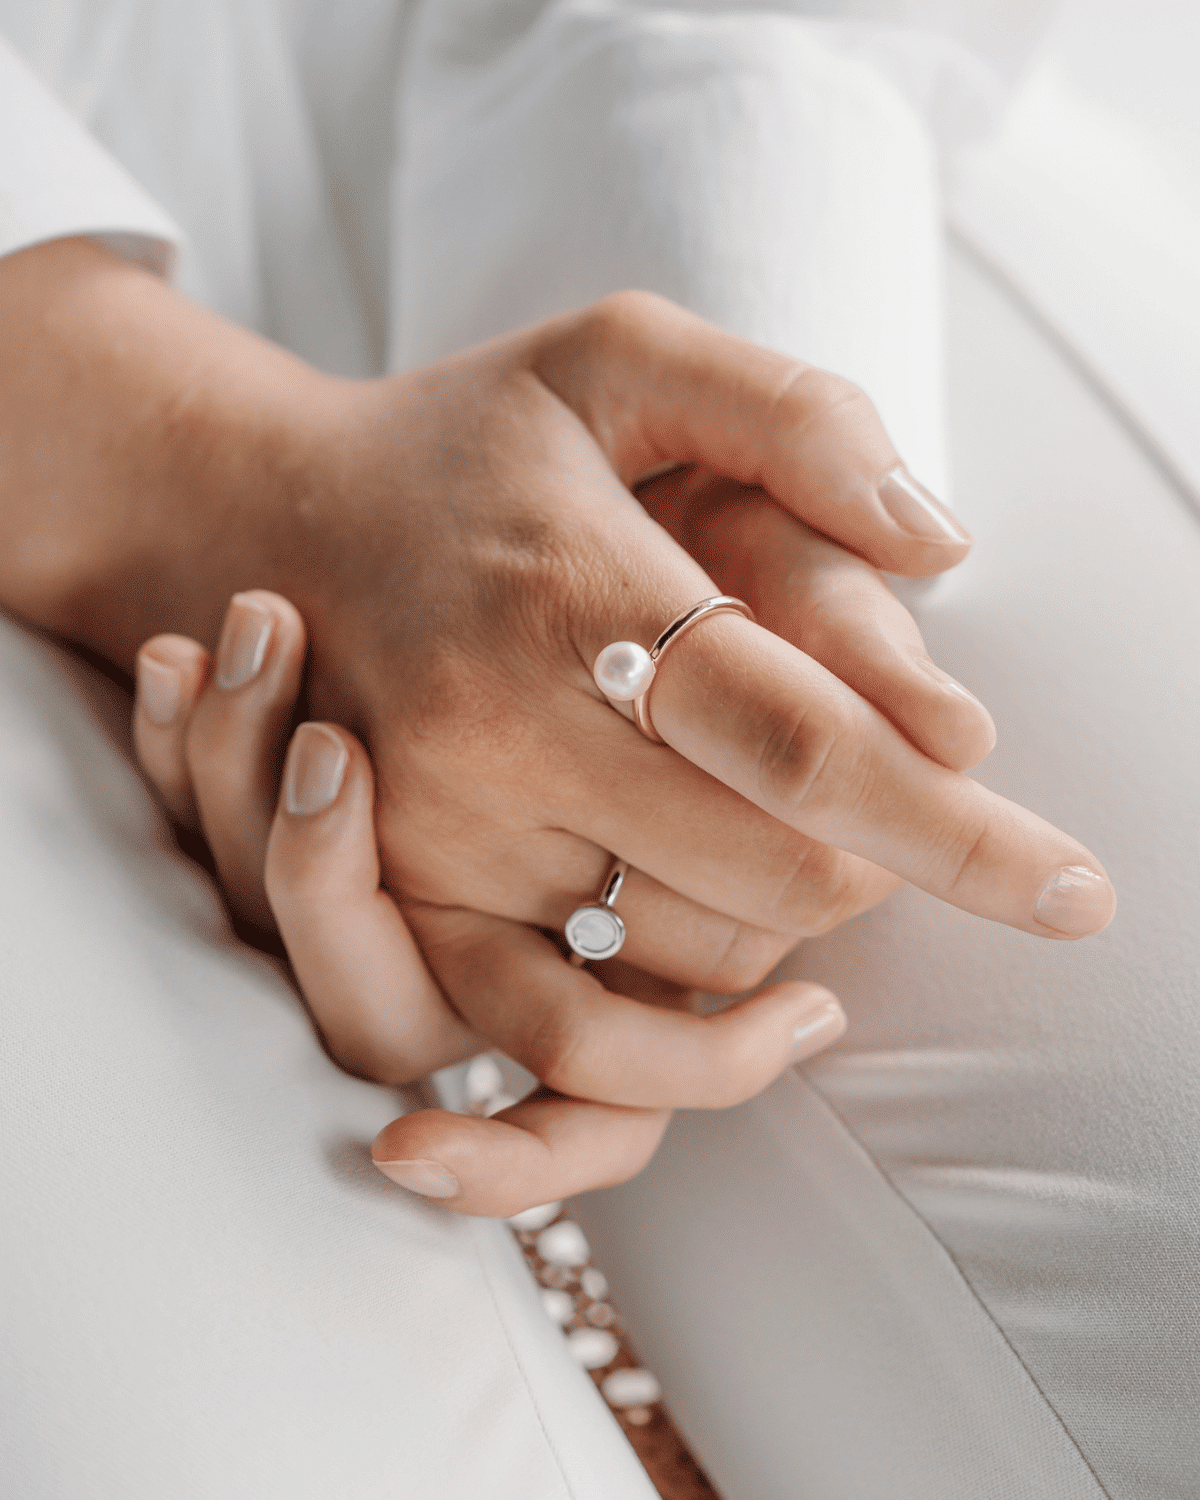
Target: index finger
[[656, 384], [770, 722]]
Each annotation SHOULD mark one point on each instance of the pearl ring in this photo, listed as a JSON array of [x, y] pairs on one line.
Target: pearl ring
[[624, 671], [595, 931]]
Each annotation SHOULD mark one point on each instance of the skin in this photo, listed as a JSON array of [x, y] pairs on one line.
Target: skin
[[380, 1011], [461, 542]]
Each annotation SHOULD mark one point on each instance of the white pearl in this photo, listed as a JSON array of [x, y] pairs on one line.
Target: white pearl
[[631, 1388], [559, 1305], [563, 1244], [533, 1219], [623, 671], [593, 1347]]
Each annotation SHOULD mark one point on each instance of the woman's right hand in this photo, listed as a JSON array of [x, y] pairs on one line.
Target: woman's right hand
[[378, 1007]]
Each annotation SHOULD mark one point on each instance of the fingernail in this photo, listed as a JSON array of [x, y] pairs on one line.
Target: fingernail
[[243, 642], [316, 764], [159, 687], [429, 1178], [817, 1027], [915, 510], [1076, 901]]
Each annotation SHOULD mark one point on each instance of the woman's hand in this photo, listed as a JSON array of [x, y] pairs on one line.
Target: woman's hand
[[379, 1009], [463, 542]]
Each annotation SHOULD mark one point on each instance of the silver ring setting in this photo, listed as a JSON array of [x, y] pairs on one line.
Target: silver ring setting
[[594, 932], [625, 671]]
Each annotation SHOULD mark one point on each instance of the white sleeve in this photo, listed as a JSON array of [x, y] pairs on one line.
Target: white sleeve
[[746, 164], [55, 180]]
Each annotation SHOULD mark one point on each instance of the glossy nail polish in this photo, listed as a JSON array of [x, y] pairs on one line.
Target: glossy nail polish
[[243, 644], [916, 512], [159, 687], [1075, 901], [316, 767], [817, 1027], [429, 1178]]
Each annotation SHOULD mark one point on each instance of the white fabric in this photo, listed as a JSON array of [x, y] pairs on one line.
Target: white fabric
[[207, 1288], [210, 1292], [1088, 200], [989, 1189], [54, 181]]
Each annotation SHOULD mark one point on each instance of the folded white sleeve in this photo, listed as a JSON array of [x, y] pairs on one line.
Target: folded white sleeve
[[55, 180]]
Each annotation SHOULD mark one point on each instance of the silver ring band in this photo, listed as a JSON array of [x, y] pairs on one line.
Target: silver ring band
[[720, 604], [594, 932]]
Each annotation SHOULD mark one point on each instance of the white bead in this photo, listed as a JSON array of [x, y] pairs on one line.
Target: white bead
[[594, 1283], [483, 1079], [563, 1244], [631, 1388], [592, 1347], [623, 671], [559, 1305], [533, 1219]]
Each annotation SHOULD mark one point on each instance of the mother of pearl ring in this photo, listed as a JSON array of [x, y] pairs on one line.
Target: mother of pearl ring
[[624, 671], [595, 931]]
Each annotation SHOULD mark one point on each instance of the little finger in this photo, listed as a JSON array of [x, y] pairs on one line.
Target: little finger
[[171, 672]]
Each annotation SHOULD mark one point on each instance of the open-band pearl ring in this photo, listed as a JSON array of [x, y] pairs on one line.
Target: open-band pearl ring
[[625, 671], [595, 931]]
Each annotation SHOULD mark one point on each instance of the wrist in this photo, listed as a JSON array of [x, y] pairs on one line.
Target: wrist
[[151, 454]]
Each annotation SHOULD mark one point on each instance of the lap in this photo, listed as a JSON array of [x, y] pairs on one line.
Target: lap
[[209, 1289]]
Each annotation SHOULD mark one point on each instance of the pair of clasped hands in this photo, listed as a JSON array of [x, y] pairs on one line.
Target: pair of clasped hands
[[463, 785]]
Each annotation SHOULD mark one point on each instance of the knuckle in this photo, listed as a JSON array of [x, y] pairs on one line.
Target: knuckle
[[552, 1051], [815, 397], [749, 957], [801, 754], [621, 321], [818, 893], [968, 850]]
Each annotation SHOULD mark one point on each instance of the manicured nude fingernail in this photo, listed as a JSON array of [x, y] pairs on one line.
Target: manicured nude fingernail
[[243, 642], [159, 688], [817, 1027], [1076, 901], [429, 1178], [316, 764], [915, 510]]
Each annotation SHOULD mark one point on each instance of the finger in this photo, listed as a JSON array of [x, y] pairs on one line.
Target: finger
[[655, 384], [237, 735], [379, 1010], [788, 735], [581, 1039], [171, 671], [718, 889], [540, 1150], [827, 601]]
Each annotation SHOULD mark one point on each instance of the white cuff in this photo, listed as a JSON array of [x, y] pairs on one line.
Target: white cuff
[[55, 180]]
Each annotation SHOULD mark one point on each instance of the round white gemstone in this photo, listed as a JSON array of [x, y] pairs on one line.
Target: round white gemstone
[[638, 1415], [592, 1347], [623, 671], [595, 932], [559, 1305], [563, 1244], [631, 1388], [594, 1283], [601, 1315], [533, 1219]]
